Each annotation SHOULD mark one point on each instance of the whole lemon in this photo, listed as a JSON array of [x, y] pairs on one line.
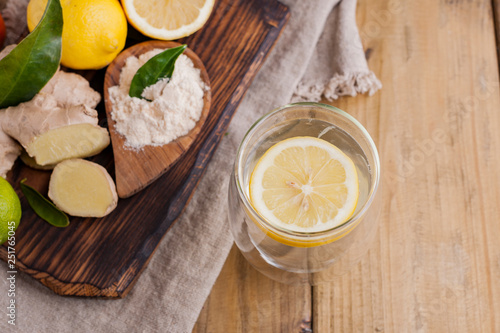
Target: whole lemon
[[10, 210], [94, 31]]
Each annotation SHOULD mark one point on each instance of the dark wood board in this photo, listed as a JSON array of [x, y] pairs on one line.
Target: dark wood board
[[104, 257]]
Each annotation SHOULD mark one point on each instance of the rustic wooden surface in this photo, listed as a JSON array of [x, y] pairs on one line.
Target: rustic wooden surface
[[136, 169], [104, 257], [435, 264]]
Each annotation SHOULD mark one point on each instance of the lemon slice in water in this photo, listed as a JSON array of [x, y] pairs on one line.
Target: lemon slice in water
[[304, 184]]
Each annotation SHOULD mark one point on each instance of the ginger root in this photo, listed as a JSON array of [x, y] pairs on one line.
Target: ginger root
[[51, 133], [71, 89], [82, 188], [59, 123], [9, 150]]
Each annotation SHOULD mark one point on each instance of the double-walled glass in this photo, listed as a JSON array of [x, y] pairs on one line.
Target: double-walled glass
[[299, 257]]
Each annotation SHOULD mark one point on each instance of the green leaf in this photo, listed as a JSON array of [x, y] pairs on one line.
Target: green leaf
[[161, 66], [28, 67], [43, 207]]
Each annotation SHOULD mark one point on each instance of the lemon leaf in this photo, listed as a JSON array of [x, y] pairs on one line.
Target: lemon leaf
[[29, 66], [161, 66], [43, 207]]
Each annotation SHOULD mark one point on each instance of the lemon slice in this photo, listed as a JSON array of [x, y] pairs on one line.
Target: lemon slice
[[304, 184], [167, 19], [94, 31]]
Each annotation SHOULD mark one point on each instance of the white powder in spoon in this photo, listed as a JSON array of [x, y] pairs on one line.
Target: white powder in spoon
[[175, 106]]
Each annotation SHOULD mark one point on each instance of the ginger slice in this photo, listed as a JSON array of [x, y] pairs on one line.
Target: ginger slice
[[73, 141], [30, 161], [82, 188]]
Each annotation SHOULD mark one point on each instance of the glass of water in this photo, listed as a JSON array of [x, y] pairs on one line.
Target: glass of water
[[288, 255]]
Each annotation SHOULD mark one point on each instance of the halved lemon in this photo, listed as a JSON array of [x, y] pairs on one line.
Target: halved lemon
[[167, 19], [304, 184]]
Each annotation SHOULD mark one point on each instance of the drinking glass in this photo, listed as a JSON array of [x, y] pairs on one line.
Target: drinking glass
[[305, 257]]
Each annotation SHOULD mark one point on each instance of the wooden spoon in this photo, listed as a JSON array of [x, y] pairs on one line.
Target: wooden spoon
[[136, 169]]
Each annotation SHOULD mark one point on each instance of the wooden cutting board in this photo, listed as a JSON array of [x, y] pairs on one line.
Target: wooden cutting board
[[104, 257]]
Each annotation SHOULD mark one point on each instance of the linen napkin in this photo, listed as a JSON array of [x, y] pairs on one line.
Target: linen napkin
[[173, 288]]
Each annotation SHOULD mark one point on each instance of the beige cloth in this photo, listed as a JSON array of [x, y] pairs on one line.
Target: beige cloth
[[172, 290]]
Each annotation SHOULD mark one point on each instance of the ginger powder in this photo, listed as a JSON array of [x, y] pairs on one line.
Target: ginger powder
[[172, 108]]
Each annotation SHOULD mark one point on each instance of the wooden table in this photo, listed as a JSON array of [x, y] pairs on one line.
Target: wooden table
[[435, 264]]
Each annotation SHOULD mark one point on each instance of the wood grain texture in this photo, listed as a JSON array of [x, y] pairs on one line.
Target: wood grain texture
[[435, 267], [243, 300], [135, 169], [435, 264], [104, 257]]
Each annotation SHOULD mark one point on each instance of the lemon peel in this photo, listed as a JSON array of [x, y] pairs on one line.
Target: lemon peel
[[167, 19], [10, 210], [94, 31]]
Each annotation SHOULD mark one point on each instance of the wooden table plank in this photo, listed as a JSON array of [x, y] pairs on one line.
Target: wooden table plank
[[435, 267], [243, 300], [435, 264]]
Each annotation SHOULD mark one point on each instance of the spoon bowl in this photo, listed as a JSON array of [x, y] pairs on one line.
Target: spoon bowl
[[137, 168]]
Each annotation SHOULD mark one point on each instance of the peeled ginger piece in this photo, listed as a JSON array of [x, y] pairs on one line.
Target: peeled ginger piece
[[31, 162], [82, 188], [79, 140]]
